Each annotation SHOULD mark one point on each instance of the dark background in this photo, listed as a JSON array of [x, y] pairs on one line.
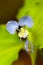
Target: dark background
[[9, 9]]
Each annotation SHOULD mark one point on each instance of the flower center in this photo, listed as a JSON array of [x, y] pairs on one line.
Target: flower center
[[23, 33]]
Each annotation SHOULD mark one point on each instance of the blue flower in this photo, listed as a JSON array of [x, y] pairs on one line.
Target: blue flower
[[12, 26]]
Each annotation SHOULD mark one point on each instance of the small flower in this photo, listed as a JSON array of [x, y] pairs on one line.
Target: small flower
[[13, 26]]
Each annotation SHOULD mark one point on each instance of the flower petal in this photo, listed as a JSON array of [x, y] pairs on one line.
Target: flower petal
[[12, 26], [22, 21], [27, 21], [28, 46]]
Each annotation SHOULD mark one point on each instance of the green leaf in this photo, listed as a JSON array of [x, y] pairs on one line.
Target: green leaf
[[9, 46], [34, 8]]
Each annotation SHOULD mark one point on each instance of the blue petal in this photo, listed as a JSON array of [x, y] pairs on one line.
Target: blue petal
[[27, 21], [22, 21], [27, 43], [12, 26]]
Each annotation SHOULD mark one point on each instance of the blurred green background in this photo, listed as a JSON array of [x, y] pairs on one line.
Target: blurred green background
[[14, 10]]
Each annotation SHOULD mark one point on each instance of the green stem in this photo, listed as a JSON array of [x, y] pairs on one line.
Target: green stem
[[33, 56]]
